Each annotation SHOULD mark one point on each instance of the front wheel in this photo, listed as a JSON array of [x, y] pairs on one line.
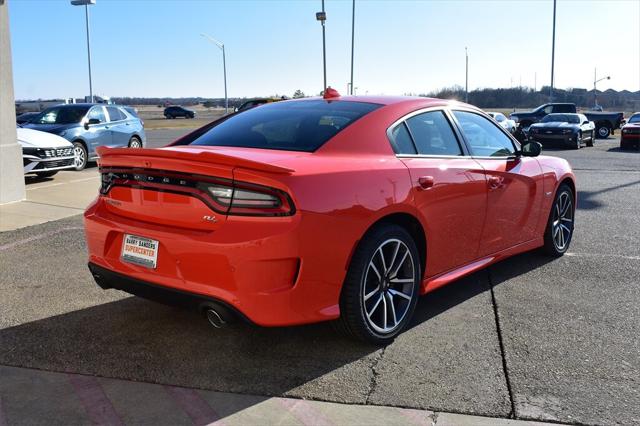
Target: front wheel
[[557, 236], [380, 291], [80, 156]]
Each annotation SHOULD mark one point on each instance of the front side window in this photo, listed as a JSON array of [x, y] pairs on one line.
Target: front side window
[[97, 112], [485, 138], [433, 135], [293, 126]]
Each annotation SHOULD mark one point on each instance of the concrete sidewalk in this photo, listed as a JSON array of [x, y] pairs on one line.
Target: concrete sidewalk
[[64, 195], [38, 397]]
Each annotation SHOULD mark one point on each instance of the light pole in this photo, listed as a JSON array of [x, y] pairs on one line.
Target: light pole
[[86, 4], [322, 16], [595, 81], [466, 76], [224, 67], [353, 26], [553, 51]]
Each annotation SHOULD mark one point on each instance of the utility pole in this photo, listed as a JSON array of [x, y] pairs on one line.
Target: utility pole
[[353, 31], [553, 51], [322, 17], [466, 76]]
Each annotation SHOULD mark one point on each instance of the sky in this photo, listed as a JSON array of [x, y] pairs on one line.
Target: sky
[[153, 48]]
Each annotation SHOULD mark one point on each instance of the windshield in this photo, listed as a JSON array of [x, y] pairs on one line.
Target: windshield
[[292, 126], [561, 118], [67, 114], [634, 118]]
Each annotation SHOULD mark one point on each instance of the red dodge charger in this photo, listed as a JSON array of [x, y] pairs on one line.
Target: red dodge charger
[[334, 208]]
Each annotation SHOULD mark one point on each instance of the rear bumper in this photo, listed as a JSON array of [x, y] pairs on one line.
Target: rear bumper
[[273, 271], [108, 279]]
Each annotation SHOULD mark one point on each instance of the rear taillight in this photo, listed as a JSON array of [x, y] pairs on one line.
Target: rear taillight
[[251, 200], [221, 195]]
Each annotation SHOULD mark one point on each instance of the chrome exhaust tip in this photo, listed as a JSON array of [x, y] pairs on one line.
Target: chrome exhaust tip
[[215, 318]]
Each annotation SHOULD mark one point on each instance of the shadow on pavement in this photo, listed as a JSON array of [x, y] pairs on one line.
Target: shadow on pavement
[[143, 341], [587, 199]]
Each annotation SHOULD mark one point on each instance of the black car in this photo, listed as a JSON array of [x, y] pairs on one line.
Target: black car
[[573, 130], [257, 102], [176, 111], [26, 117]]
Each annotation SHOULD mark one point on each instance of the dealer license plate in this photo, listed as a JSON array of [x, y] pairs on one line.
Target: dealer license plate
[[140, 250]]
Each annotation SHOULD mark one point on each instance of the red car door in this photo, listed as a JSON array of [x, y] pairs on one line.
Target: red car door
[[449, 188], [514, 184]]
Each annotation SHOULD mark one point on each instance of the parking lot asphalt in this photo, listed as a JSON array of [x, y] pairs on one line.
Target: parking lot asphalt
[[530, 337]]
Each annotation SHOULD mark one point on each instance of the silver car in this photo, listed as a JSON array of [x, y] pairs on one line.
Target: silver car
[[44, 154], [506, 123], [89, 126]]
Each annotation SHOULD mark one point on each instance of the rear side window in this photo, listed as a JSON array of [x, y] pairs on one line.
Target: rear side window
[[485, 138], [115, 114], [433, 135], [401, 140], [292, 126]]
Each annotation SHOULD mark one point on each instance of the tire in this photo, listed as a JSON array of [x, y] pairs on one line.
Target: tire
[[135, 142], [559, 230], [592, 136], [371, 297], [47, 174], [603, 132], [81, 156], [578, 143], [168, 116]]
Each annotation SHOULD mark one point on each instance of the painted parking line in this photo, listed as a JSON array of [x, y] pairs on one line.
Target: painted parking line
[[96, 404], [615, 256], [194, 406], [37, 237], [63, 183], [304, 412]]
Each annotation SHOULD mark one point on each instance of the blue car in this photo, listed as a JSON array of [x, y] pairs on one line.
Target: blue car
[[88, 126]]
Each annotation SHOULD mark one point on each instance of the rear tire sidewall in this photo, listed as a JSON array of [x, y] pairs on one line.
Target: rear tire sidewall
[[352, 306], [83, 165], [549, 244]]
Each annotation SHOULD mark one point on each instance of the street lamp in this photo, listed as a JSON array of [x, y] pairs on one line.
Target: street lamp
[[466, 76], [224, 67], [553, 51], [595, 81], [353, 26], [322, 16], [86, 4]]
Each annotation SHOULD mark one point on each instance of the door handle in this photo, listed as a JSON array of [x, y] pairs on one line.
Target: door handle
[[425, 182], [495, 182]]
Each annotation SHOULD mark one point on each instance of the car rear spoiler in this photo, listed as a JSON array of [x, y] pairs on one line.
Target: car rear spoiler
[[203, 157]]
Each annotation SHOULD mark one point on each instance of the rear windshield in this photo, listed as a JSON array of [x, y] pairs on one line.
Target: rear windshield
[[291, 126]]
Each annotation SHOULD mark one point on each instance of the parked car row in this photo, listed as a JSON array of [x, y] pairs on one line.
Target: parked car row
[[86, 127], [606, 123]]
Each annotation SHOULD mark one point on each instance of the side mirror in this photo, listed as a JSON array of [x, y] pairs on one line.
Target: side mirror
[[531, 149], [91, 122]]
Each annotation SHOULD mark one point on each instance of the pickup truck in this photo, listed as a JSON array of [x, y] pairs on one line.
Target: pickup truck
[[606, 122]]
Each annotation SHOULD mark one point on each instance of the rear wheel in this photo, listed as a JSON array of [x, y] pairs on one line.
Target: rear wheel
[[380, 291], [135, 142], [557, 236], [591, 138], [603, 131], [80, 156]]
